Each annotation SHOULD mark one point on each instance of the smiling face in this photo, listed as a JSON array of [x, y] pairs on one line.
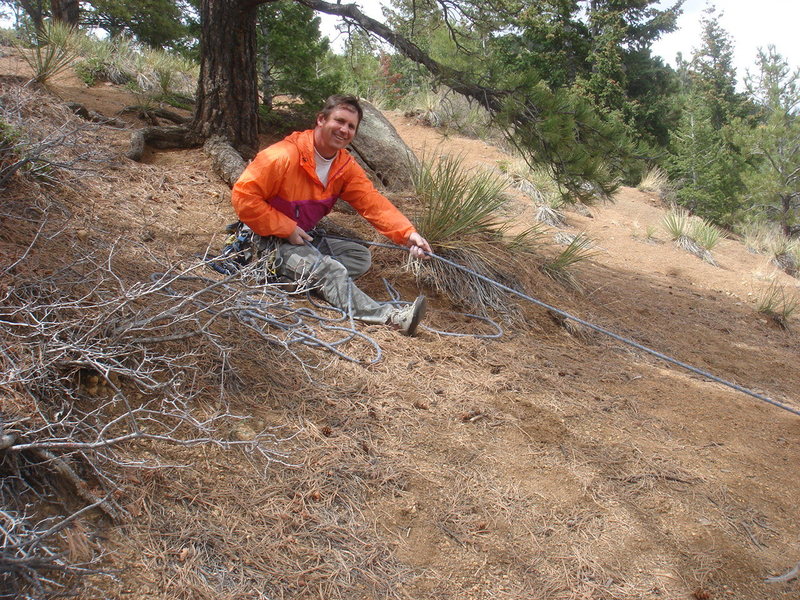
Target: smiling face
[[336, 131]]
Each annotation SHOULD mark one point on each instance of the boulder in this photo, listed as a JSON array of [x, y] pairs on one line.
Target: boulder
[[380, 150]]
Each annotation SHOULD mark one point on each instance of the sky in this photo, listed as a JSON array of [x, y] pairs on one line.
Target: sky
[[750, 23]]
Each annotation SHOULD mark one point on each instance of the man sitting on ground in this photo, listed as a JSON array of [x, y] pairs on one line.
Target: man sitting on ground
[[293, 183]]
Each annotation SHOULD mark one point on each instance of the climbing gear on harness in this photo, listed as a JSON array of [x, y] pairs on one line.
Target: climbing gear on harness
[[241, 247], [237, 250]]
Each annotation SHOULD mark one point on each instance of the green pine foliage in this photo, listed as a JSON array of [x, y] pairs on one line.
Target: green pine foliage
[[704, 162], [712, 74], [155, 23], [773, 144], [293, 54], [706, 171]]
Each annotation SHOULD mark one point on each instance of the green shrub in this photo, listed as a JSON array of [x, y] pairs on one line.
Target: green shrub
[[90, 71]]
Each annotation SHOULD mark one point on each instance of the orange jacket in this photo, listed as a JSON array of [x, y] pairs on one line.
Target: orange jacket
[[280, 190]]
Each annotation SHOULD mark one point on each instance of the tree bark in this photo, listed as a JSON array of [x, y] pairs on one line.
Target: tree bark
[[227, 95], [65, 11], [225, 161], [35, 10], [227, 92], [173, 136], [266, 78]]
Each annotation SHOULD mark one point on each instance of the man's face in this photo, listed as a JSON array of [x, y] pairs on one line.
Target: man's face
[[335, 132]]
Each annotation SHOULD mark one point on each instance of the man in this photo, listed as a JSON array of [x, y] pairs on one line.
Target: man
[[292, 184]]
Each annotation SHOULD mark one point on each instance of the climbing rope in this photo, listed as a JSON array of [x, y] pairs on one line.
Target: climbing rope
[[589, 325]]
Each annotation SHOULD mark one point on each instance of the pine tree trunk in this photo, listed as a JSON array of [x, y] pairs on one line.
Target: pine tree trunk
[[65, 11], [227, 92], [266, 79], [786, 213], [35, 11]]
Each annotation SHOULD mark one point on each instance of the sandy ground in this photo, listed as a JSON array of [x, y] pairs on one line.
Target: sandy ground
[[550, 463]]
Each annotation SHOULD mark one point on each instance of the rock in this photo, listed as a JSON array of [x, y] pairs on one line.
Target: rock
[[380, 150]]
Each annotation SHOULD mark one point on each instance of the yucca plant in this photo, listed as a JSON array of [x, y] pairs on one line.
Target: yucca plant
[[684, 230], [56, 48], [777, 304], [676, 221], [456, 203], [650, 234], [580, 248], [785, 253], [705, 233], [526, 239], [550, 214]]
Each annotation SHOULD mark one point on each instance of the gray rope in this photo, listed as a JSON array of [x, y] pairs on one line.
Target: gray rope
[[591, 326]]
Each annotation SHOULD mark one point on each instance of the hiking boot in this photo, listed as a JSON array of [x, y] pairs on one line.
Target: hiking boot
[[407, 319]]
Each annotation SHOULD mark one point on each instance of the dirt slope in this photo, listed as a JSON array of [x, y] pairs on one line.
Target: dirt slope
[[544, 464]]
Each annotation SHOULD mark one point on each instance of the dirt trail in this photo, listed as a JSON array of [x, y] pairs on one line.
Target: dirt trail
[[545, 464]]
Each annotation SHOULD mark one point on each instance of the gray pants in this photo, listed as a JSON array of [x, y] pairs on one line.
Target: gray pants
[[330, 266]]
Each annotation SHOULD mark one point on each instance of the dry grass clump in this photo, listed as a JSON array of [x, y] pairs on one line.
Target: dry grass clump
[[488, 259], [785, 254], [777, 303], [448, 110], [767, 238], [538, 184], [656, 181], [757, 236]]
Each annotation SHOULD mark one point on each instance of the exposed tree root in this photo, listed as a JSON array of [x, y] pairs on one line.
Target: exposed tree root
[[94, 116], [226, 161], [172, 136], [151, 115]]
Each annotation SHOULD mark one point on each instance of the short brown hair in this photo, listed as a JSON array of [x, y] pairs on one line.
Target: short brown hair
[[337, 100]]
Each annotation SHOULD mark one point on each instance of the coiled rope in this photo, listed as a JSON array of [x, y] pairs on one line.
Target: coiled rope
[[589, 325]]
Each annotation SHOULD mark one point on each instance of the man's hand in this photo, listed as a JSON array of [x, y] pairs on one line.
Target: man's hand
[[418, 246], [299, 237]]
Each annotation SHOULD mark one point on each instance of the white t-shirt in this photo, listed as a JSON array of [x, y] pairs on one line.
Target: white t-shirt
[[323, 167]]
